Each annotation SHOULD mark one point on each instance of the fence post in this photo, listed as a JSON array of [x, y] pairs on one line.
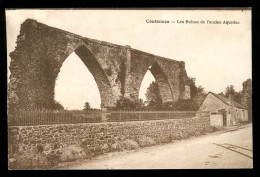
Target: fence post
[[120, 118], [64, 117], [52, 117], [20, 120], [36, 116], [25, 118], [31, 118]]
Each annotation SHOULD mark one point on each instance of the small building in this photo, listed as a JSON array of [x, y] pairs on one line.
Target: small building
[[224, 111]]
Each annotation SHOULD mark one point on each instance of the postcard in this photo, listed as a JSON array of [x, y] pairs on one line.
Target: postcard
[[129, 88]]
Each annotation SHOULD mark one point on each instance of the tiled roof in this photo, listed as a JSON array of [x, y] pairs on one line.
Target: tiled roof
[[225, 100]]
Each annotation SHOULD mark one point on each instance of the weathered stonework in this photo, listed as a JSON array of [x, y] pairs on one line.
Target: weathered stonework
[[117, 70], [45, 141], [216, 120]]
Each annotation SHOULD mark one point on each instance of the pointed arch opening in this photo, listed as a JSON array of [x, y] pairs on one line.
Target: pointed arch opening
[[75, 85], [78, 84], [147, 80], [155, 73]]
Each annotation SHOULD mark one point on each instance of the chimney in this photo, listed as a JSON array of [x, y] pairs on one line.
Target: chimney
[[230, 100]]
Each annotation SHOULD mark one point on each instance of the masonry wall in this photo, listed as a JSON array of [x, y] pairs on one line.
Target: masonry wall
[[216, 120], [170, 75], [25, 142]]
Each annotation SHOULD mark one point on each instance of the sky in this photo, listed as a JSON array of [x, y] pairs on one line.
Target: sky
[[217, 55]]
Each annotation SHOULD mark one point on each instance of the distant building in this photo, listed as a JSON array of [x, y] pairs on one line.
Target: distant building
[[224, 111]]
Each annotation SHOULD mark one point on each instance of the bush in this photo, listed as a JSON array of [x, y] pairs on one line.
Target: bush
[[185, 105], [128, 144], [29, 161], [184, 134], [195, 133], [57, 106], [72, 153], [53, 158], [116, 146], [163, 139], [180, 105], [129, 104], [211, 129], [144, 141]]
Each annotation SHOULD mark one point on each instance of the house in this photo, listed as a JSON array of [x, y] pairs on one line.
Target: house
[[224, 111]]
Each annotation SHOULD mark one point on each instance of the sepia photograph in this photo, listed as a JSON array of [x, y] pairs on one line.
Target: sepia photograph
[[129, 88]]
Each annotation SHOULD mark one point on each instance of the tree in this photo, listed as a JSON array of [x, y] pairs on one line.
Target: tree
[[193, 87], [139, 103], [57, 106], [153, 95], [238, 96], [246, 92], [87, 106], [154, 98], [129, 104], [230, 91], [246, 98], [197, 94]]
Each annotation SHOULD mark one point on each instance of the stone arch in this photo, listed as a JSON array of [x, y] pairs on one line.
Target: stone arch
[[98, 73], [96, 70], [36, 62], [162, 81], [41, 50]]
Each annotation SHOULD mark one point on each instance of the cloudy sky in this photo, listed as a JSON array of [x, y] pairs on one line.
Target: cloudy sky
[[217, 55]]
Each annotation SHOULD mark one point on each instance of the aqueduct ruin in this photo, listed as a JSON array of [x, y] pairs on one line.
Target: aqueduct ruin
[[117, 70]]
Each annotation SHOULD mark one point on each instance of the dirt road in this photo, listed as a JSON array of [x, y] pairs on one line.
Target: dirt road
[[232, 149]]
